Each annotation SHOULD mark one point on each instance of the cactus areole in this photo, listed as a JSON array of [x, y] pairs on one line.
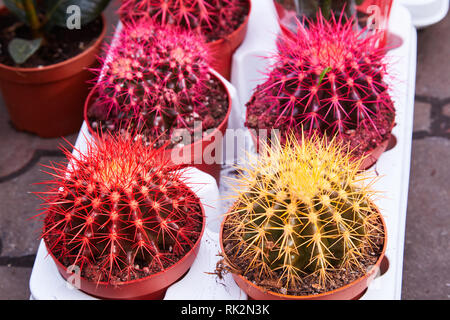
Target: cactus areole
[[156, 80], [212, 19], [304, 222], [117, 215], [329, 80]]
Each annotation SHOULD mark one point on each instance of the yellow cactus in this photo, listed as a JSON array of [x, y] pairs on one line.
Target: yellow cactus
[[302, 209]]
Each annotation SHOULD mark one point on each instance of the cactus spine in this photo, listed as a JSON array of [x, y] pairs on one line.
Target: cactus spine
[[118, 213], [213, 19], [154, 78], [301, 210]]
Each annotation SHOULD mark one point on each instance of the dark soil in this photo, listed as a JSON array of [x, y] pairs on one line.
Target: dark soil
[[308, 284], [61, 43], [361, 140], [212, 110]]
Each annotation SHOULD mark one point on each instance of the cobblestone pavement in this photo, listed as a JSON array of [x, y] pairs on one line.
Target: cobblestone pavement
[[426, 256]]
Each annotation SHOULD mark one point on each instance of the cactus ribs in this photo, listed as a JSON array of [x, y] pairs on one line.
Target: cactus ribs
[[118, 213], [304, 221], [327, 79], [156, 80]]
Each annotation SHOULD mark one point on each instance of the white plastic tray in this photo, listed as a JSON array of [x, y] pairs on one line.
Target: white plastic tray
[[394, 165], [426, 12]]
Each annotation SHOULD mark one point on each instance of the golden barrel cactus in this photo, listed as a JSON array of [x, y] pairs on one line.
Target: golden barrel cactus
[[302, 210]]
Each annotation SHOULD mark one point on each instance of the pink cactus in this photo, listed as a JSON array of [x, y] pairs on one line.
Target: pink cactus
[[327, 78], [118, 213], [211, 18], [155, 77]]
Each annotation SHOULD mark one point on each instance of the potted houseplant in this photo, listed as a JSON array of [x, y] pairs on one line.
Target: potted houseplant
[[121, 221], [304, 225], [328, 80], [45, 47], [223, 23], [156, 82]]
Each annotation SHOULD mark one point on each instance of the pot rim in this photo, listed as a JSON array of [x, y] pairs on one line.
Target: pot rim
[[236, 31], [220, 127], [368, 160], [187, 255], [79, 56], [323, 294]]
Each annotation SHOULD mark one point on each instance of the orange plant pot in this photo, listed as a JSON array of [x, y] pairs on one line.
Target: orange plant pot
[[353, 290], [189, 155], [48, 101], [222, 50], [153, 287]]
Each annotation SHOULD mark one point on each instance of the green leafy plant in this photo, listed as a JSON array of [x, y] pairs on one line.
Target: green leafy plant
[[42, 16]]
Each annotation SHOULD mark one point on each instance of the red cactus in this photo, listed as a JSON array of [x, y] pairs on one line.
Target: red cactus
[[327, 78], [118, 213], [154, 77], [211, 18]]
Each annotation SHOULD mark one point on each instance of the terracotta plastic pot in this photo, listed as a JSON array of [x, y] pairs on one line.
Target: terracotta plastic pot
[[153, 287], [189, 155], [372, 156], [353, 290], [222, 50], [48, 101]]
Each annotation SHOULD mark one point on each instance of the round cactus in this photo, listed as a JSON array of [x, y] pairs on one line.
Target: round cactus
[[213, 19], [154, 78], [118, 213], [302, 211], [326, 79]]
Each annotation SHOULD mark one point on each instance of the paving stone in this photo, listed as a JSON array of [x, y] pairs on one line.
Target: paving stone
[[426, 255], [16, 286], [422, 116], [18, 147], [19, 232], [433, 68]]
